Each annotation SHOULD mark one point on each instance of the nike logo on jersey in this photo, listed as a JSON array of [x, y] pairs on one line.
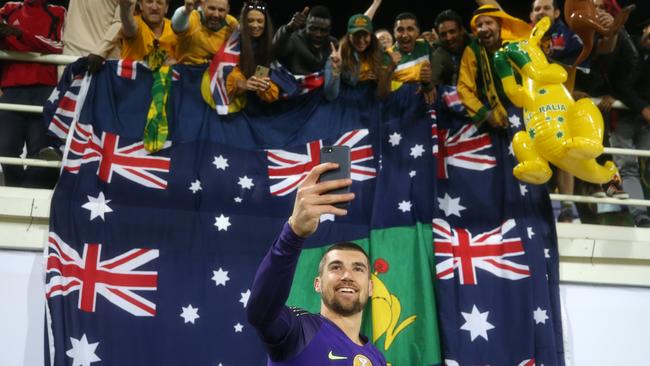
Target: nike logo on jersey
[[331, 356]]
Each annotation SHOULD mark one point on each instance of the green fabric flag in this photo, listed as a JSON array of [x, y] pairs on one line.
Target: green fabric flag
[[157, 127], [401, 317]]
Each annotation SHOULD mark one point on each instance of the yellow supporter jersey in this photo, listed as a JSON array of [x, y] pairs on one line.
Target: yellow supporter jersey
[[198, 44], [138, 47], [365, 71]]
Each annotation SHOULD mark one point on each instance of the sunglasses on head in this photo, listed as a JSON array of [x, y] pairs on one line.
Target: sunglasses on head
[[256, 5]]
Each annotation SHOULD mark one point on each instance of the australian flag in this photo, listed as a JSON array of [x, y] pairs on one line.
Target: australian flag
[[496, 251], [150, 256]]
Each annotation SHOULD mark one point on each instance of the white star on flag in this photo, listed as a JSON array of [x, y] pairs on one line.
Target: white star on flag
[[417, 151], [244, 297], [530, 231], [195, 186], [238, 327], [510, 150], [190, 314], [82, 352], [523, 189], [222, 222], [238, 199], [220, 162], [547, 253], [97, 206], [220, 277], [515, 121], [404, 206], [245, 182], [476, 323], [54, 96], [394, 138], [412, 173], [451, 206], [327, 217], [540, 316]]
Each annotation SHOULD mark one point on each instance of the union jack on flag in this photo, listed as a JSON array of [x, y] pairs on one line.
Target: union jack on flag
[[220, 67], [59, 109], [115, 279], [64, 114], [451, 98], [460, 150], [131, 161], [293, 85], [128, 69], [461, 250], [292, 168]]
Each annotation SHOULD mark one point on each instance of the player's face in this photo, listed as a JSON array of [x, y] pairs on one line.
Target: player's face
[[406, 32], [489, 32], [255, 19], [153, 11], [345, 284], [215, 13], [543, 8]]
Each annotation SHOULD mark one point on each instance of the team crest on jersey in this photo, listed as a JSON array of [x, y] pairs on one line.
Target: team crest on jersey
[[361, 360]]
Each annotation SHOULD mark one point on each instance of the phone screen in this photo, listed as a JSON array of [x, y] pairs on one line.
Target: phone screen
[[341, 156]]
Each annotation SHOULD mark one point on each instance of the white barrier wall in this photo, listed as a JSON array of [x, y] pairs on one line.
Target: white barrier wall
[[22, 307], [605, 325]]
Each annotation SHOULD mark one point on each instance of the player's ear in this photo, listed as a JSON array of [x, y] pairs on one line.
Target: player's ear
[[317, 284], [371, 286]]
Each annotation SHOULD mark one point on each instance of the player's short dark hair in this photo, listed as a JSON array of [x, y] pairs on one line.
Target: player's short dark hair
[[345, 245], [448, 15], [320, 11], [406, 15]]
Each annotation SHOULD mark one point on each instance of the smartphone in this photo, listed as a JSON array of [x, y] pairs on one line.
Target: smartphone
[[341, 156], [262, 71]]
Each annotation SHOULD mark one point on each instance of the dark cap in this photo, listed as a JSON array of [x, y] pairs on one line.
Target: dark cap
[[359, 22]]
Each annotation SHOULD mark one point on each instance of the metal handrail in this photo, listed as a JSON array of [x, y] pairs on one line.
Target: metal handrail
[[21, 108], [30, 162], [590, 199], [37, 57], [66, 59]]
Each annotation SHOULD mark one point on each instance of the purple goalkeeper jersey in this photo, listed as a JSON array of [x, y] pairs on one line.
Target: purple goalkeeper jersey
[[294, 336]]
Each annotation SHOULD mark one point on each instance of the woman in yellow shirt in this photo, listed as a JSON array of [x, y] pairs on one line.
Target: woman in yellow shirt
[[256, 38]]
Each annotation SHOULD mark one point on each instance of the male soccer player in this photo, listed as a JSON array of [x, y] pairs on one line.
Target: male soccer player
[[294, 336]]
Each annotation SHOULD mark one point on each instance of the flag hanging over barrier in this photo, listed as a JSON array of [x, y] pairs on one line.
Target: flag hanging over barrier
[[166, 244]]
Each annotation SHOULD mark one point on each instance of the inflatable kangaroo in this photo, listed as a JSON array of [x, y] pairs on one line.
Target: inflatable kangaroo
[[580, 16], [559, 130]]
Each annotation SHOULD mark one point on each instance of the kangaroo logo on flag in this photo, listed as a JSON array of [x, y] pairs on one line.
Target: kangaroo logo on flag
[[461, 250], [115, 279], [460, 150], [291, 168], [131, 162]]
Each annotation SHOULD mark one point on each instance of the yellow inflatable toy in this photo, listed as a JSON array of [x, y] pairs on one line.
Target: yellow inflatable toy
[[559, 130]]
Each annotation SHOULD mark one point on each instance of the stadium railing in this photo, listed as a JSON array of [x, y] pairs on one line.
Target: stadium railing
[[588, 253]]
